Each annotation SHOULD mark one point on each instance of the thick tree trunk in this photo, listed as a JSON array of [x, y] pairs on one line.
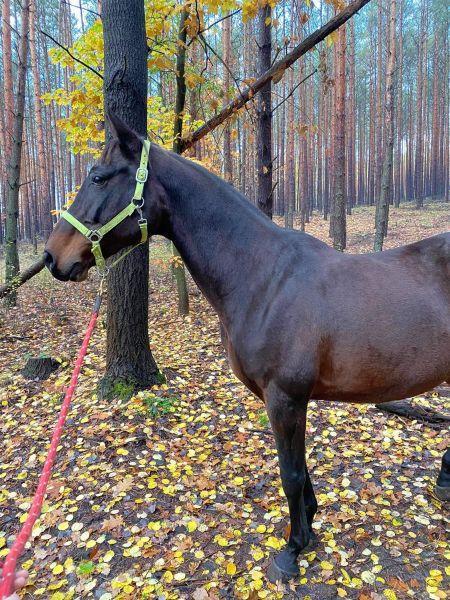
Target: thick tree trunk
[[178, 269], [15, 160], [129, 362], [382, 216], [264, 112]]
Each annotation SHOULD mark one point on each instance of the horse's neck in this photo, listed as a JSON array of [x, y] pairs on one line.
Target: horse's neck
[[218, 233]]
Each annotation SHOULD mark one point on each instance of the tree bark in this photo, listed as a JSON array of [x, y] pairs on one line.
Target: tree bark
[[264, 114], [15, 161], [382, 216], [129, 362]]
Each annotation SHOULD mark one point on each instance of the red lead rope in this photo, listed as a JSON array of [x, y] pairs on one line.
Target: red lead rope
[[17, 548]]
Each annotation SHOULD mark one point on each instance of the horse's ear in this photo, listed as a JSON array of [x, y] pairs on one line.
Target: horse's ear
[[129, 141]]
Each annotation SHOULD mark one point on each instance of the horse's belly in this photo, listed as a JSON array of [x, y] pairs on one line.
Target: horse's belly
[[381, 377]]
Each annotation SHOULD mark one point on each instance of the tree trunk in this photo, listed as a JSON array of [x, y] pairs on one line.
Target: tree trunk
[[339, 205], [264, 113], [8, 88], [129, 362], [399, 161], [289, 162], [418, 162], [351, 137], [226, 43], [178, 269], [379, 106], [43, 183], [15, 160], [382, 218]]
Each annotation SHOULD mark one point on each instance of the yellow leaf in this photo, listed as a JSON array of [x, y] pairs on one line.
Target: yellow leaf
[[275, 543], [57, 570], [231, 568], [191, 526]]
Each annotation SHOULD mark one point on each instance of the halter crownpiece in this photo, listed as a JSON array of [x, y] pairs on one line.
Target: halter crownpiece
[[96, 235]]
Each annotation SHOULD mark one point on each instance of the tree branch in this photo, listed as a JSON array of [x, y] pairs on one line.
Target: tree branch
[[293, 90], [274, 72], [78, 60], [22, 277]]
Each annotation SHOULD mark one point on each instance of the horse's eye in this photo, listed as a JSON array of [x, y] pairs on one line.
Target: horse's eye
[[98, 180]]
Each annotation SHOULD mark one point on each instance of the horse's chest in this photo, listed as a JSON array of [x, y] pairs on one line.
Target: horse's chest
[[240, 369]]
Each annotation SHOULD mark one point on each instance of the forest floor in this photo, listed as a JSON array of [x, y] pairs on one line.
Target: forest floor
[[176, 493]]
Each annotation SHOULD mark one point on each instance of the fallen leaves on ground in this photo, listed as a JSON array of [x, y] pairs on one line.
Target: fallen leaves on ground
[[176, 493]]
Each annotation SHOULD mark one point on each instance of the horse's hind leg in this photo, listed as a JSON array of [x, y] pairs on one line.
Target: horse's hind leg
[[288, 418], [310, 501], [442, 488]]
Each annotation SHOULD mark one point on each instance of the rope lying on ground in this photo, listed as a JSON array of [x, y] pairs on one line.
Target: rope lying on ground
[[18, 546]]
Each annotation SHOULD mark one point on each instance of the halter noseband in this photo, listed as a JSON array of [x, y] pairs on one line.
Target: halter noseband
[[96, 235]]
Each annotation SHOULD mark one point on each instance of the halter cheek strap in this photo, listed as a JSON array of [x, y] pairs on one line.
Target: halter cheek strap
[[95, 236]]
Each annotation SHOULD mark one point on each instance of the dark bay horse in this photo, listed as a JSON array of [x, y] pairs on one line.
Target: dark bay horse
[[299, 319]]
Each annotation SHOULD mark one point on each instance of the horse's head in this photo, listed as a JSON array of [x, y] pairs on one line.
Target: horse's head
[[106, 191]]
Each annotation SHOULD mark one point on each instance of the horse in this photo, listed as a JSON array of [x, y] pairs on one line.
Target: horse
[[299, 320]]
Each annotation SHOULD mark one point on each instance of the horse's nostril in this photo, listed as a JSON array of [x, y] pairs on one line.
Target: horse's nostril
[[49, 261]]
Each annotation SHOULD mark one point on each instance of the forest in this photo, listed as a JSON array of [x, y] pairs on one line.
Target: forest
[[329, 117]]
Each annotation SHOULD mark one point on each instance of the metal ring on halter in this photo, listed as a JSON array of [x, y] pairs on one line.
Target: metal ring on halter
[[103, 272], [138, 200], [94, 236]]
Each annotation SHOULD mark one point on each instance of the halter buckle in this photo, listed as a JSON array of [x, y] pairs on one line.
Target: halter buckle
[[141, 175], [94, 236]]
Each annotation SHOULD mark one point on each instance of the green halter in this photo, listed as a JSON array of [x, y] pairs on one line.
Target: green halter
[[95, 235]]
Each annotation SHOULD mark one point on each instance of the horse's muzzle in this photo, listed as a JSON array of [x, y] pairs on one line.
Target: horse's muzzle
[[76, 272]]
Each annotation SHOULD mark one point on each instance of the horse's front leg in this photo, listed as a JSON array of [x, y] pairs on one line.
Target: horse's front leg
[[288, 419]]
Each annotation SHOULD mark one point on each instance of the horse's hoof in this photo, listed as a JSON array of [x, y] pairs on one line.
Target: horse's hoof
[[443, 493], [284, 572]]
